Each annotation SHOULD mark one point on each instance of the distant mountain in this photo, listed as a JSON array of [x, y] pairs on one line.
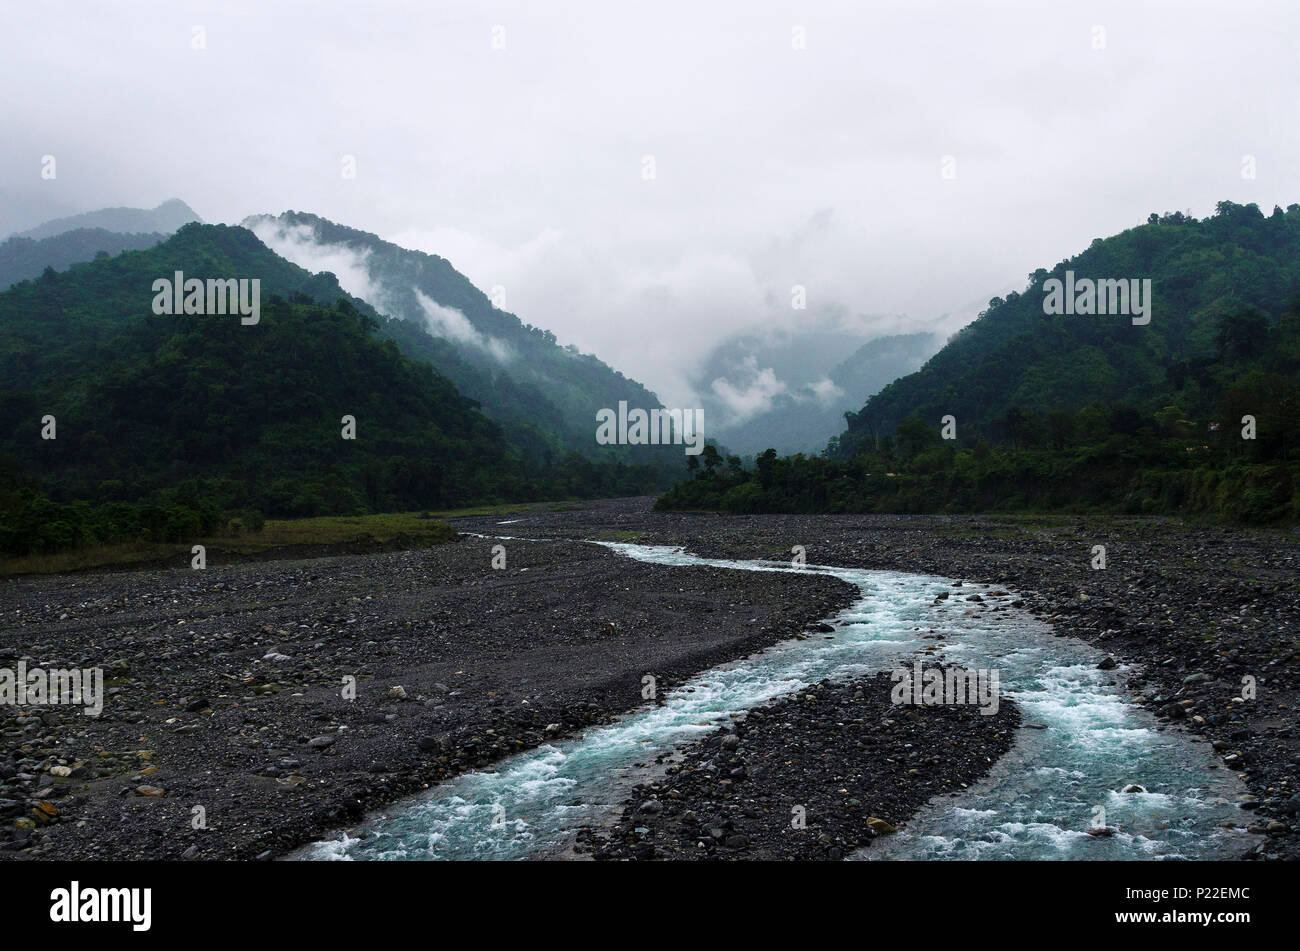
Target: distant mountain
[[165, 219], [791, 393], [544, 394], [879, 362], [25, 258], [1206, 276], [27, 206]]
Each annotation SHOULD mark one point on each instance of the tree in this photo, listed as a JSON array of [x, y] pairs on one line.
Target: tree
[[1242, 335], [766, 464], [1017, 425], [1060, 428], [712, 459], [913, 435]]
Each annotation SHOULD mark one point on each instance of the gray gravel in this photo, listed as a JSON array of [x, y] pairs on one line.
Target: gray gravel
[[1196, 608], [227, 683]]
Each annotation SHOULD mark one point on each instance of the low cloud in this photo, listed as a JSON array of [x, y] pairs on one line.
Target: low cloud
[[753, 396], [450, 323], [299, 244], [825, 391], [302, 245]]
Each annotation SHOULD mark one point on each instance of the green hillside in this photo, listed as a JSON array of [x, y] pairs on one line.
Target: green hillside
[[24, 258], [166, 425], [1236, 269]]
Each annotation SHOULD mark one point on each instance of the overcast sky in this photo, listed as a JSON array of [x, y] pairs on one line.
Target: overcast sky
[[774, 166]]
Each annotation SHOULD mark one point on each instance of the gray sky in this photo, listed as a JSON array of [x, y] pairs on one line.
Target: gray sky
[[775, 166]]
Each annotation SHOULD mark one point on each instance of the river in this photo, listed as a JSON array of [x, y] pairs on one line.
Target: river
[[1082, 741]]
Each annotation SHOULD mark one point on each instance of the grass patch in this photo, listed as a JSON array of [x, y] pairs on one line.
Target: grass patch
[[284, 537], [506, 508]]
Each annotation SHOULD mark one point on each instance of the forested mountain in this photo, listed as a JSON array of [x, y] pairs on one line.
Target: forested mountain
[[165, 219], [544, 395], [24, 258], [1195, 411], [52, 329], [164, 425], [1216, 284]]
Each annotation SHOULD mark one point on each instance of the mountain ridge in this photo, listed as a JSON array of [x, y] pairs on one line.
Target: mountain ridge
[[25, 258], [168, 217], [544, 394], [1015, 356], [803, 421]]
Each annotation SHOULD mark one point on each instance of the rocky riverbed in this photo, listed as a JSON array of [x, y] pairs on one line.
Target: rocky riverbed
[[1208, 615], [227, 734], [813, 776], [227, 682]]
